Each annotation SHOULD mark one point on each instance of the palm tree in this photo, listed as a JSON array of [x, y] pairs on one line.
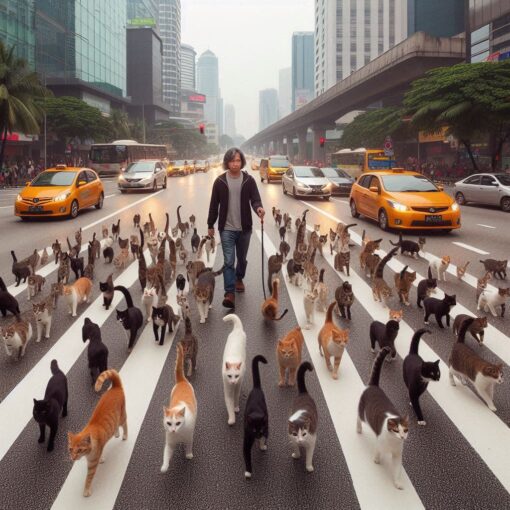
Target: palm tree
[[120, 124], [20, 89]]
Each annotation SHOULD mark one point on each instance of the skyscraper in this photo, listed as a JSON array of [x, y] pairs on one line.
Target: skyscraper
[[17, 28], [230, 120], [285, 91], [142, 12], [188, 54], [169, 22], [208, 84], [302, 68], [268, 108]]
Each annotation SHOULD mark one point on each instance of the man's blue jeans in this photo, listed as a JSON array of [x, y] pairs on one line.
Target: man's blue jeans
[[234, 243]]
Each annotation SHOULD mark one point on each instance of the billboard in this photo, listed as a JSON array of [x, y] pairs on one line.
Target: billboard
[[142, 22], [196, 98], [303, 96]]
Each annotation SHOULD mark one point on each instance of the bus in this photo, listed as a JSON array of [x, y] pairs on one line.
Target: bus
[[109, 158], [357, 161]]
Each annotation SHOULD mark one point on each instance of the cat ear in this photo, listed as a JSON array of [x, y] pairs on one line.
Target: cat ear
[[437, 362], [405, 421], [238, 365], [35, 401], [227, 365], [182, 412]]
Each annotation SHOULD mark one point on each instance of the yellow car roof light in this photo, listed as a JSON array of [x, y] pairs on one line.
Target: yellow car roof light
[[61, 166]]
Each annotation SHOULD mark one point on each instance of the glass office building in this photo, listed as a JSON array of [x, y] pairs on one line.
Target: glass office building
[[17, 27]]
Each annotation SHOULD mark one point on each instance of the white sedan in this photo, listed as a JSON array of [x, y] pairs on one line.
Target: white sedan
[[306, 181]]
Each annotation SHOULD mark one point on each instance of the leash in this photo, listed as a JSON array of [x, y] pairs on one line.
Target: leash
[[262, 257]]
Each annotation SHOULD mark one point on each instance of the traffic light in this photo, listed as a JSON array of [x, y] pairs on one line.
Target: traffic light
[[322, 141], [202, 128]]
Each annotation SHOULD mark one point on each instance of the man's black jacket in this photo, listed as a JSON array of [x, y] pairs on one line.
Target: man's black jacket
[[219, 199]]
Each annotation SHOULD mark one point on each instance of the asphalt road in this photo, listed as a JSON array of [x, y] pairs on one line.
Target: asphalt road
[[459, 460]]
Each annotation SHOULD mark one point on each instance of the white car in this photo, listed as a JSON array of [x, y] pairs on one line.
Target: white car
[[490, 189], [143, 174], [306, 181]]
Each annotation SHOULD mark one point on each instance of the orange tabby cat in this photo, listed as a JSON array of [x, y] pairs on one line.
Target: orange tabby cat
[[108, 416], [270, 305], [332, 341], [288, 353], [78, 292]]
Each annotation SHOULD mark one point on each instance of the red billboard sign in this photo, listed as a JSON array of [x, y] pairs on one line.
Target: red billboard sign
[[196, 98]]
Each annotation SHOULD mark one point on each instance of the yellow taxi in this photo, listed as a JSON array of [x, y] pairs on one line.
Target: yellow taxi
[[403, 200], [273, 168], [179, 167], [60, 191]]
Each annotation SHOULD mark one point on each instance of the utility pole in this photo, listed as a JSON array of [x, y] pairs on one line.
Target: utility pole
[[143, 121], [467, 32]]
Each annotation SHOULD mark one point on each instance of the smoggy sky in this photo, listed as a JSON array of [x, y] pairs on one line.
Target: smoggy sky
[[252, 40]]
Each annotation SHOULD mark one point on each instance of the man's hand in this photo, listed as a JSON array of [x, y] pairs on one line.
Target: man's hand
[[210, 232], [261, 212]]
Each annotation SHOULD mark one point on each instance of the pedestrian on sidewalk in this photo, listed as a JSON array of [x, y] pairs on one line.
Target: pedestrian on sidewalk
[[232, 195]]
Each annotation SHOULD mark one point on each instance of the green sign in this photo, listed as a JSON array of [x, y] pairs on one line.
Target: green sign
[[142, 22]]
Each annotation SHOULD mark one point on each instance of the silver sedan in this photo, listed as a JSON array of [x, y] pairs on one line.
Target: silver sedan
[[308, 181], [144, 174], [490, 189]]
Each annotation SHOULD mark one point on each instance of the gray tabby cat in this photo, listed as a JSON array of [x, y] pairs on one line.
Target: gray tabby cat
[[204, 292], [274, 266], [190, 348]]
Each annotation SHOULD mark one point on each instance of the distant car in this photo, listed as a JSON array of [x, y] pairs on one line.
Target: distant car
[[202, 165], [308, 181], [145, 174], [180, 167], [273, 168], [342, 182], [489, 189], [255, 164], [60, 191]]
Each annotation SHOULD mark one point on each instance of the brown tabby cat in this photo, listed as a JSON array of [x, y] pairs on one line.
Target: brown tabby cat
[[16, 337], [56, 248], [192, 269], [108, 416], [204, 292], [35, 285], [274, 266], [342, 261], [403, 283], [369, 248], [476, 328], [270, 305], [461, 270], [380, 289], [332, 341], [64, 268], [371, 262], [288, 353], [311, 271]]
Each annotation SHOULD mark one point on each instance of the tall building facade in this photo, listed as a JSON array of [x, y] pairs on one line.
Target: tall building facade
[[17, 19], [142, 12], [169, 23], [188, 56], [268, 108], [208, 84], [285, 91], [230, 120], [302, 68]]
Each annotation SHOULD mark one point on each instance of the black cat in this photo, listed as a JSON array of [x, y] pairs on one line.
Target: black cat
[[256, 419], [97, 352], [180, 283], [384, 335], [195, 241], [131, 318], [418, 374], [163, 317], [408, 246], [55, 398], [282, 231], [439, 308], [107, 289], [108, 254], [8, 303], [19, 270], [425, 287], [77, 266], [142, 263]]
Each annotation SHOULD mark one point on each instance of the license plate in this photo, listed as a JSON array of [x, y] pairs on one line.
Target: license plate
[[35, 208], [433, 219]]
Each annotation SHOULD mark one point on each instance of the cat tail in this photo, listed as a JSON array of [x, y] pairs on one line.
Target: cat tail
[[303, 217], [303, 368], [399, 240], [2, 285], [363, 235], [380, 267], [112, 375], [179, 365], [54, 367], [403, 272], [255, 368], [179, 214], [127, 295], [376, 368], [329, 313], [141, 239], [321, 276], [416, 340], [14, 256], [234, 320], [429, 274], [220, 271], [167, 224], [282, 315], [463, 329], [347, 227]]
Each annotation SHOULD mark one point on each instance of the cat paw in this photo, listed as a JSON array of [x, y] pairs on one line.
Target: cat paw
[[50, 447], [425, 322], [231, 421], [202, 321], [309, 469], [492, 408], [372, 350], [335, 376], [399, 485], [164, 468], [263, 447], [247, 475], [296, 455], [237, 409], [87, 493], [422, 422], [377, 460], [101, 460], [189, 456], [281, 384], [40, 440]]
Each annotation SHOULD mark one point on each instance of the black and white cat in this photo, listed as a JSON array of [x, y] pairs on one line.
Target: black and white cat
[[163, 317], [131, 318], [107, 289], [418, 374], [439, 308], [97, 351], [8, 303]]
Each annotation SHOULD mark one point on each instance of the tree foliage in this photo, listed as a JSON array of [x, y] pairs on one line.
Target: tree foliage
[[186, 141], [121, 129]]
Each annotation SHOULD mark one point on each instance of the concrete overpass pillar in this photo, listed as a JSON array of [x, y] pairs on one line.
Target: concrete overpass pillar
[[318, 152], [279, 145], [290, 147], [302, 146]]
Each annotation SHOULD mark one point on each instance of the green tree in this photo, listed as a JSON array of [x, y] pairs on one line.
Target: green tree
[[186, 141], [471, 100], [119, 121], [19, 90], [226, 142]]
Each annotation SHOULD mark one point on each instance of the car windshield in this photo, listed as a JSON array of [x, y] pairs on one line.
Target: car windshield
[[503, 179], [407, 183], [308, 172], [54, 179], [335, 172], [179, 162], [140, 166], [279, 163]]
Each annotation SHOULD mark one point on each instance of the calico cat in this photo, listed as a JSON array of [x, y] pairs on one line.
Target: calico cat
[[440, 266], [131, 318], [274, 266], [20, 270], [466, 365], [367, 249], [46, 411], [35, 285], [233, 366], [256, 418], [108, 416], [303, 421], [380, 289], [180, 416], [418, 373], [497, 268], [107, 289], [410, 247], [149, 300], [289, 351], [439, 308], [461, 270], [8, 303], [344, 298], [309, 299], [294, 270], [332, 342], [193, 268], [384, 335], [403, 283], [183, 303], [16, 337], [97, 352], [371, 262], [284, 250], [116, 230], [190, 348], [481, 284], [43, 313], [76, 293], [489, 300], [204, 292], [270, 305], [426, 287], [163, 317], [391, 429], [476, 328]]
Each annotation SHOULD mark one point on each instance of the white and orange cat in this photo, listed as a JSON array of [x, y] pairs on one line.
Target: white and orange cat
[[16, 337], [439, 267], [108, 416], [149, 300], [332, 341], [288, 353], [180, 416], [76, 293]]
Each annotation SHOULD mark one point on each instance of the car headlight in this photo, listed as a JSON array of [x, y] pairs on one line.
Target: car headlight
[[398, 206], [62, 196], [303, 185], [19, 198], [121, 178], [455, 206], [327, 187]]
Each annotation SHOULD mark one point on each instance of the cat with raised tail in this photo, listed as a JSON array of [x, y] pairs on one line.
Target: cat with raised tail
[[418, 374], [131, 318], [256, 418], [270, 305], [332, 342], [97, 352], [180, 417], [303, 420], [380, 289], [233, 366], [390, 428]]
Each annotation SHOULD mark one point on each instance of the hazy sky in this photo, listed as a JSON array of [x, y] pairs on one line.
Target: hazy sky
[[252, 40]]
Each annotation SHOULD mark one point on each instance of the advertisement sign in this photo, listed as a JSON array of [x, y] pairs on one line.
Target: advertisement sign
[[142, 22], [440, 136], [196, 98], [303, 96]]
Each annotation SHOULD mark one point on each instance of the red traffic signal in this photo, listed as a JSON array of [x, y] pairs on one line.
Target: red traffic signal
[[202, 128], [322, 141]]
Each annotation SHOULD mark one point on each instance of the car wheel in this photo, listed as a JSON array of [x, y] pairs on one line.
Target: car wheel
[[154, 186], [383, 220], [99, 204], [354, 209], [123, 191], [283, 188], [294, 192], [505, 204], [460, 198], [447, 230], [74, 209], [261, 179], [164, 184], [24, 218], [326, 198]]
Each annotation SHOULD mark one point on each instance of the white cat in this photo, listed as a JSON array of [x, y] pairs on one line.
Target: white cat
[[182, 301], [234, 366], [439, 267], [107, 242], [43, 314], [149, 299], [309, 299], [490, 300]]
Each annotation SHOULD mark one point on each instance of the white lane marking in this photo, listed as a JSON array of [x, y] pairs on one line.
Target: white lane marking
[[486, 226], [110, 196], [16, 408], [7, 207], [139, 385], [339, 201], [471, 248], [372, 483]]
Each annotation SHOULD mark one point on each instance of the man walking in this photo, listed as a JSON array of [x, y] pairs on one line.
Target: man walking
[[232, 195]]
